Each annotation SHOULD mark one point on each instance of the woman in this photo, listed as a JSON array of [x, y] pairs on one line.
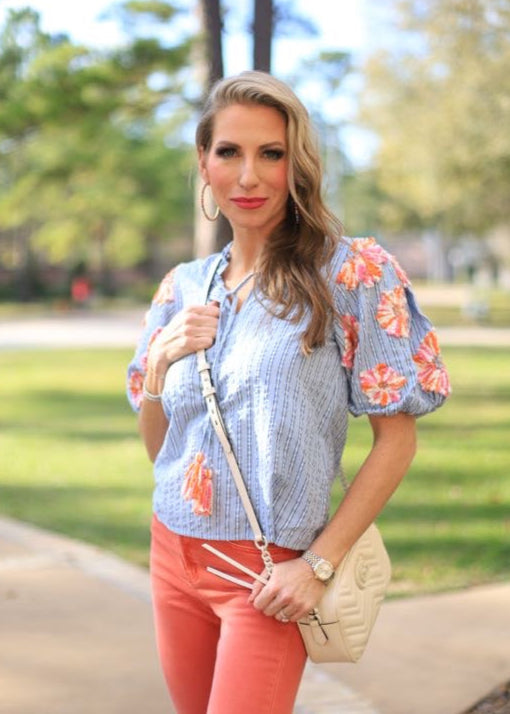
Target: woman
[[301, 326]]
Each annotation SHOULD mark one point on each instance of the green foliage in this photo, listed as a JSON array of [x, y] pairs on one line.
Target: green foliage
[[439, 101], [76, 465], [87, 171], [161, 10]]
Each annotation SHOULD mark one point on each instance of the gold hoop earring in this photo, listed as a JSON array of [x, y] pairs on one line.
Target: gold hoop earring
[[202, 206]]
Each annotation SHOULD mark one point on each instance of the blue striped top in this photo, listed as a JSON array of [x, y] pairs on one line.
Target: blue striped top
[[286, 413]]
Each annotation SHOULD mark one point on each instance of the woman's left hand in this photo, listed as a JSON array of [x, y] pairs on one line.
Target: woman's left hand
[[290, 594]]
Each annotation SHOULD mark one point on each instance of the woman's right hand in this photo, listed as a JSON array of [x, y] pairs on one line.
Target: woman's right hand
[[193, 328]]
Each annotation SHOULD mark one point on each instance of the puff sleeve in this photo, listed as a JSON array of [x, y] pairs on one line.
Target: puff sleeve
[[388, 347], [162, 309]]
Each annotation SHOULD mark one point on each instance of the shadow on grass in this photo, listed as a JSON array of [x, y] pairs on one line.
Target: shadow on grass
[[451, 549], [454, 513], [471, 395], [71, 414], [101, 434], [117, 519], [87, 402], [460, 428]]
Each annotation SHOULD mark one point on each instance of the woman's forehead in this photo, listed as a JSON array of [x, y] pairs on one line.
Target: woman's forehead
[[248, 122]]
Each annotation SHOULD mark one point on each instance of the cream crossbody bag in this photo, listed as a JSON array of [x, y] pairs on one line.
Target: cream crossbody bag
[[337, 630]]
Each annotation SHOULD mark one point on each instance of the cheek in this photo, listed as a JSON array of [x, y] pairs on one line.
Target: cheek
[[219, 175], [280, 180]]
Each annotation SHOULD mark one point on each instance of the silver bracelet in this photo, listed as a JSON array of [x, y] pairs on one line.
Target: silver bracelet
[[149, 395]]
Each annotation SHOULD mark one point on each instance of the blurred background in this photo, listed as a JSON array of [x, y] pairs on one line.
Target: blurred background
[[98, 196], [98, 105], [411, 100]]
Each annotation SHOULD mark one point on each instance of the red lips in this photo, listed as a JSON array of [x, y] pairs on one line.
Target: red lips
[[249, 203]]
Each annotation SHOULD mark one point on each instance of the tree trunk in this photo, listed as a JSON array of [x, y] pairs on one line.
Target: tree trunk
[[27, 285], [213, 24], [262, 34], [211, 237]]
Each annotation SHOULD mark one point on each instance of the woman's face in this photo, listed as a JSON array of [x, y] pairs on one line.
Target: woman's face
[[246, 167]]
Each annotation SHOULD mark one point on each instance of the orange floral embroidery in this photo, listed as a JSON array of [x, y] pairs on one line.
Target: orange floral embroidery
[[432, 374], [351, 329], [165, 292], [382, 384], [135, 387], [364, 266], [392, 312], [401, 274], [197, 486]]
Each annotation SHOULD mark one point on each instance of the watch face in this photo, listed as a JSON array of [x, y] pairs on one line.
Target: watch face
[[324, 570]]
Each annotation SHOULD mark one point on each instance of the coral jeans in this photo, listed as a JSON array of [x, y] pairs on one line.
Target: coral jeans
[[218, 653]]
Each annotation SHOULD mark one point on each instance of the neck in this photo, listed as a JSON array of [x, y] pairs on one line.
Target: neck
[[244, 254]]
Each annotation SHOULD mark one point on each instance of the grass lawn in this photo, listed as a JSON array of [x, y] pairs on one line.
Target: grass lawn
[[72, 462]]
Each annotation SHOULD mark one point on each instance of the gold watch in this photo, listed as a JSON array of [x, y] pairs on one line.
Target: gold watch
[[322, 568]]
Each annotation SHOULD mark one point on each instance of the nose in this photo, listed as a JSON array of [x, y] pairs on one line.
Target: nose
[[248, 177]]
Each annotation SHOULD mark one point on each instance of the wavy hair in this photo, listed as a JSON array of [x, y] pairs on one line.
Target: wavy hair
[[291, 268]]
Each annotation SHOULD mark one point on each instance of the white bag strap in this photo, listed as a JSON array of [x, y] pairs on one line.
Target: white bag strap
[[214, 412], [213, 409]]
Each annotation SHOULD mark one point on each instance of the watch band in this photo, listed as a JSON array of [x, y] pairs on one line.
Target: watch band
[[322, 568], [311, 558]]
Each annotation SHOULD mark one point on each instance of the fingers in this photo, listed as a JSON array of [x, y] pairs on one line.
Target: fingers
[[281, 616], [199, 321], [292, 591], [281, 607], [257, 587], [275, 606], [197, 329], [193, 328]]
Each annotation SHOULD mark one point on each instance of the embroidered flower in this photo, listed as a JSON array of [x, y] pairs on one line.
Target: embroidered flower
[[392, 312], [350, 327], [165, 291], [382, 384], [432, 374], [364, 266], [145, 356], [135, 387], [197, 486], [401, 274]]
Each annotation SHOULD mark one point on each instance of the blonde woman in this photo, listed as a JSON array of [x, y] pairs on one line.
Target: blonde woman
[[301, 326]]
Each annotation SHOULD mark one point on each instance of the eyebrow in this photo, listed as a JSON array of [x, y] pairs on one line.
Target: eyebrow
[[270, 145]]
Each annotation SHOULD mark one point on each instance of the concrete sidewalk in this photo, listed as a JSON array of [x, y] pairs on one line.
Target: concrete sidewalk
[[77, 638]]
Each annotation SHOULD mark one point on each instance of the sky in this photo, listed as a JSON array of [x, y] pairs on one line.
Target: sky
[[342, 25]]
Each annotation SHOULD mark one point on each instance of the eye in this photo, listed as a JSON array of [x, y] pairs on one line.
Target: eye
[[274, 154], [225, 152]]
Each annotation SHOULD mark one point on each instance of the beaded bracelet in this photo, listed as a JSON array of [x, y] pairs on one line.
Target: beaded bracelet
[[149, 395]]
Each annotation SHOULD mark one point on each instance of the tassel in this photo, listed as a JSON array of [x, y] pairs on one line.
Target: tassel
[[202, 504], [197, 486]]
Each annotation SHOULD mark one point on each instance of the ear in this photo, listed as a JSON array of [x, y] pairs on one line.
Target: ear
[[202, 160]]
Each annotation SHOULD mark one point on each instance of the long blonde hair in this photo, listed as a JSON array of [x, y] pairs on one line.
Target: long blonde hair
[[291, 272]]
